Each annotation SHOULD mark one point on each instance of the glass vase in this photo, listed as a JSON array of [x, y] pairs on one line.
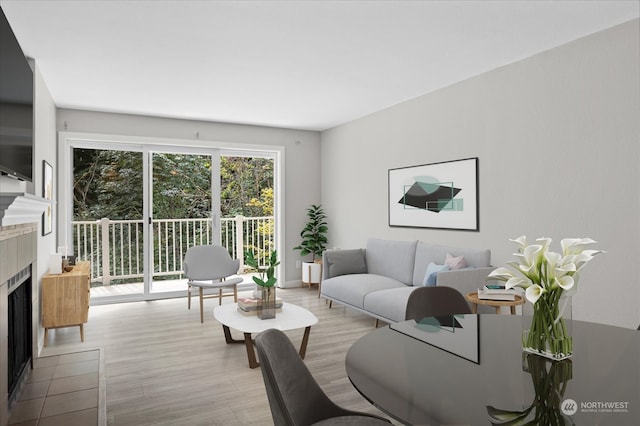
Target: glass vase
[[267, 303], [547, 326]]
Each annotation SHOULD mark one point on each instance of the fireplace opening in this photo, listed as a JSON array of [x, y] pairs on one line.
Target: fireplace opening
[[19, 329]]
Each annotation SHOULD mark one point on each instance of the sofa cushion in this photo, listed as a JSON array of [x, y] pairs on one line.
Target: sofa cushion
[[454, 262], [352, 289], [390, 304], [431, 275], [344, 262], [427, 253], [393, 259]]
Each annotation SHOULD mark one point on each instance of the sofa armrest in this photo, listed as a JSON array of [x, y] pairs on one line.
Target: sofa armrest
[[464, 280], [325, 266]]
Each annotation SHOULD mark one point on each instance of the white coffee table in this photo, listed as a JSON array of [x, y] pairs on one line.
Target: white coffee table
[[290, 318]]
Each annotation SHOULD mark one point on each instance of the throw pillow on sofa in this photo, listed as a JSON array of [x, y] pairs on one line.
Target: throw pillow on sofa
[[454, 263], [432, 273], [346, 262]]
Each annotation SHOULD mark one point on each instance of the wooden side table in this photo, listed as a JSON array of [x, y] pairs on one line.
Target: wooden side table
[[473, 299], [65, 299]]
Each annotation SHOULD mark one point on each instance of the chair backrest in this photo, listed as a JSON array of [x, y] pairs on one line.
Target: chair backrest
[[209, 262], [295, 398], [435, 301]]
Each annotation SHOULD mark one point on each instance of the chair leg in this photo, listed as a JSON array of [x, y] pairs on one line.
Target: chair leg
[[188, 297], [235, 293], [219, 296], [201, 306], [376, 322]]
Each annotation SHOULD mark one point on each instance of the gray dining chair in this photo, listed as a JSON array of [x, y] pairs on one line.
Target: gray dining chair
[[209, 267], [435, 301], [295, 398]]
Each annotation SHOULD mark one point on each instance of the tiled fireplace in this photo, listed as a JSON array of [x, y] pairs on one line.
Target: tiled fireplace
[[18, 298]]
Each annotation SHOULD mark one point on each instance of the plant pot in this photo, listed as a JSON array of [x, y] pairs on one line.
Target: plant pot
[[546, 327], [267, 303], [311, 273]]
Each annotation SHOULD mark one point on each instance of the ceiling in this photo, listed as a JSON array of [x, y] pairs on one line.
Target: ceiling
[[296, 64]]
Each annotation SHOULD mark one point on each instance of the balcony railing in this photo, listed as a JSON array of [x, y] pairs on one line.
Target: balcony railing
[[115, 247]]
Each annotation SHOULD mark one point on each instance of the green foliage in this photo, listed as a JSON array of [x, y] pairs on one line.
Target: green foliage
[[181, 186], [267, 275], [242, 182], [109, 184], [313, 235]]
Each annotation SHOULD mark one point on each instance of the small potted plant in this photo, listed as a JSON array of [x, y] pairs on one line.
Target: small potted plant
[[314, 241], [266, 280]]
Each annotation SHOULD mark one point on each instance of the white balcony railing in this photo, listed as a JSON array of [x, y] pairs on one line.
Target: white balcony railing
[[115, 247]]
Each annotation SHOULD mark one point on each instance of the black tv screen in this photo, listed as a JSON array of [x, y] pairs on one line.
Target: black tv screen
[[16, 106]]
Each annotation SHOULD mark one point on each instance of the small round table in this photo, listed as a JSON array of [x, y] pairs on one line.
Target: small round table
[[290, 318], [473, 299]]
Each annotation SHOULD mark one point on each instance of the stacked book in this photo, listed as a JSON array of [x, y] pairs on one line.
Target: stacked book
[[496, 292], [249, 305]]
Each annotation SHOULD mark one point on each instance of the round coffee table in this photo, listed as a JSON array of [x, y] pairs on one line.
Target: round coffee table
[[290, 318], [475, 301]]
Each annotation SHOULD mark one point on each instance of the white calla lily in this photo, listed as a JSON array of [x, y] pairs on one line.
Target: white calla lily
[[501, 273], [565, 269], [521, 241], [575, 245], [566, 282], [545, 243], [553, 258], [517, 282], [531, 254], [533, 293]]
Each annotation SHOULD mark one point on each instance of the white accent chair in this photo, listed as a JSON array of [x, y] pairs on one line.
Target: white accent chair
[[208, 267]]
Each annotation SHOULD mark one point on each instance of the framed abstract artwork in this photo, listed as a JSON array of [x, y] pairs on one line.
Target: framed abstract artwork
[[47, 192], [438, 195]]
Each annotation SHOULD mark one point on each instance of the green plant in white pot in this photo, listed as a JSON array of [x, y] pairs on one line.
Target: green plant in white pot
[[314, 241]]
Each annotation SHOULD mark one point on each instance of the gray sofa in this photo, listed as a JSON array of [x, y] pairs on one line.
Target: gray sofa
[[378, 280]]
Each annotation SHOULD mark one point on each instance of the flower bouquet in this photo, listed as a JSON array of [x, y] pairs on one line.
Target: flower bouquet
[[549, 280]]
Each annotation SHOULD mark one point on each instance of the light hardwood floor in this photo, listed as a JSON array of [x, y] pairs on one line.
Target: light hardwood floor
[[163, 367]]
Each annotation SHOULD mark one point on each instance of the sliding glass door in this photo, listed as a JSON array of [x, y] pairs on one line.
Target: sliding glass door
[[107, 225], [185, 210], [136, 208]]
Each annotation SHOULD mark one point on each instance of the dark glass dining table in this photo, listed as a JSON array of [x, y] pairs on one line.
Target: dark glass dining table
[[421, 381]]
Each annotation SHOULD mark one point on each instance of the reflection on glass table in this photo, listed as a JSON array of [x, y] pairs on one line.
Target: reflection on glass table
[[421, 383], [457, 334], [549, 380]]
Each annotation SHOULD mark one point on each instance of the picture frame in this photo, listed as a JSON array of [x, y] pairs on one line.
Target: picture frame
[[47, 193], [440, 195]]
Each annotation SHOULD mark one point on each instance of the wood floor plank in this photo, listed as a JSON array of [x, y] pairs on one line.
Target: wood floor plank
[[163, 367]]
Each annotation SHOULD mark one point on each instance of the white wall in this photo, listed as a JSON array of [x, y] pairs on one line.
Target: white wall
[[44, 118], [302, 158], [557, 136], [45, 148]]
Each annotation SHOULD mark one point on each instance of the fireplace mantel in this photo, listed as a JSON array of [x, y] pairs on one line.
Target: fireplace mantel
[[20, 207]]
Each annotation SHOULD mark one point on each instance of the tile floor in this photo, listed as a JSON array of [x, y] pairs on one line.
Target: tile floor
[[60, 390]]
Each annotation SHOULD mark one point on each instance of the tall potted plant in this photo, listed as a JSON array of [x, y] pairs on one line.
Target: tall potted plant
[[314, 241], [266, 280]]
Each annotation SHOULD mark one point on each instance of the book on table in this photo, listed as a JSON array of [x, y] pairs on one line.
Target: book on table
[[495, 292]]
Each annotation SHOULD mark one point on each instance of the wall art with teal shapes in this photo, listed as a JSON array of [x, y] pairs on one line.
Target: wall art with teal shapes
[[439, 195]]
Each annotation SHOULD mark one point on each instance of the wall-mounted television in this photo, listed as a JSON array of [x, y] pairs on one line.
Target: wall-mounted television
[[16, 107]]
